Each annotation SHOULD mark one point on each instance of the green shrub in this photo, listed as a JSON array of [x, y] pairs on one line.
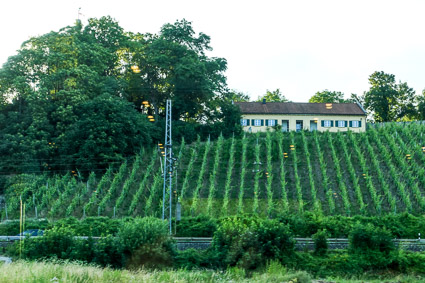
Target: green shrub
[[250, 242], [11, 227], [320, 242], [57, 242], [373, 246], [146, 242], [199, 226], [365, 238], [403, 225], [108, 252], [192, 259], [411, 262], [91, 226]]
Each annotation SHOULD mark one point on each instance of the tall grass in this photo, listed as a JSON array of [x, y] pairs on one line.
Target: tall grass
[[23, 271]]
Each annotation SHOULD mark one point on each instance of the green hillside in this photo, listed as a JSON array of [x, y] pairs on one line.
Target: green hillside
[[377, 172]]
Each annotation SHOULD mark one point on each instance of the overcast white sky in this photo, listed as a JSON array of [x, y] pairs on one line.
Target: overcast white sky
[[300, 47]]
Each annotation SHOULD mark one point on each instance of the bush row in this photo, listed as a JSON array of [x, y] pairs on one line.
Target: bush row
[[300, 225], [243, 242], [143, 241]]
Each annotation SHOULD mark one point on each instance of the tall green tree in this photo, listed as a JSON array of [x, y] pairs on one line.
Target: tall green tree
[[273, 96], [237, 96], [421, 106], [328, 96], [47, 83], [49, 91], [174, 65], [387, 100]]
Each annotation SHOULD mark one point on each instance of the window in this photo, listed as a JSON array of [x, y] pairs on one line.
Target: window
[[258, 122], [341, 124], [355, 124], [285, 125], [271, 123], [327, 123], [244, 122], [299, 125]]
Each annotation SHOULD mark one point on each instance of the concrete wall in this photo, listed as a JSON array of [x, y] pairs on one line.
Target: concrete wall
[[306, 122]]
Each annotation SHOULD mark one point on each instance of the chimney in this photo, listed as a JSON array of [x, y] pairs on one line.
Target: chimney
[[264, 101]]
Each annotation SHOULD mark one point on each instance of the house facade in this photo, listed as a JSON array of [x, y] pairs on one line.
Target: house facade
[[294, 116]]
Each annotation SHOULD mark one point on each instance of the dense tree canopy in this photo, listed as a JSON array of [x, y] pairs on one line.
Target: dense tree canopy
[[273, 96], [64, 96], [327, 96], [389, 101], [421, 106]]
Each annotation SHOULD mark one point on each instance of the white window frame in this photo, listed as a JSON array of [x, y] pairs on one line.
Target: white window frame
[[271, 122], [257, 122], [327, 123], [355, 124], [244, 122], [341, 124]]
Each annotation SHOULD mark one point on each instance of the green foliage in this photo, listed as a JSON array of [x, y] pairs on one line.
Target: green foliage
[[108, 129], [146, 242], [90, 226], [421, 106], [200, 180], [411, 262], [230, 166], [213, 175], [60, 243], [11, 227], [249, 242], [108, 252], [349, 173], [387, 100], [327, 96], [199, 226], [372, 246], [403, 225], [367, 238], [320, 242], [57, 242], [64, 96], [273, 96], [192, 259]]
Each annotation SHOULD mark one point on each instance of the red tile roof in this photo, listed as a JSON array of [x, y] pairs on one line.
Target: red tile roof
[[300, 108]]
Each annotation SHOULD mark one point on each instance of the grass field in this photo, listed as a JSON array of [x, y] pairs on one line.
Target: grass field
[[27, 272]]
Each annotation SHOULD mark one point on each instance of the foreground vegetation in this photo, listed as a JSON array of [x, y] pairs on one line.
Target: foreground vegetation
[[57, 271], [379, 172], [246, 246]]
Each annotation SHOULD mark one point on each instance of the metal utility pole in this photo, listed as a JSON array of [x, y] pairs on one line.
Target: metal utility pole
[[167, 193]]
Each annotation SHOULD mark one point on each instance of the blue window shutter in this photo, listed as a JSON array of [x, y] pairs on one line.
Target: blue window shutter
[[323, 123], [252, 122], [275, 122], [351, 123], [332, 123], [247, 122], [267, 122], [262, 122], [360, 124], [345, 124]]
